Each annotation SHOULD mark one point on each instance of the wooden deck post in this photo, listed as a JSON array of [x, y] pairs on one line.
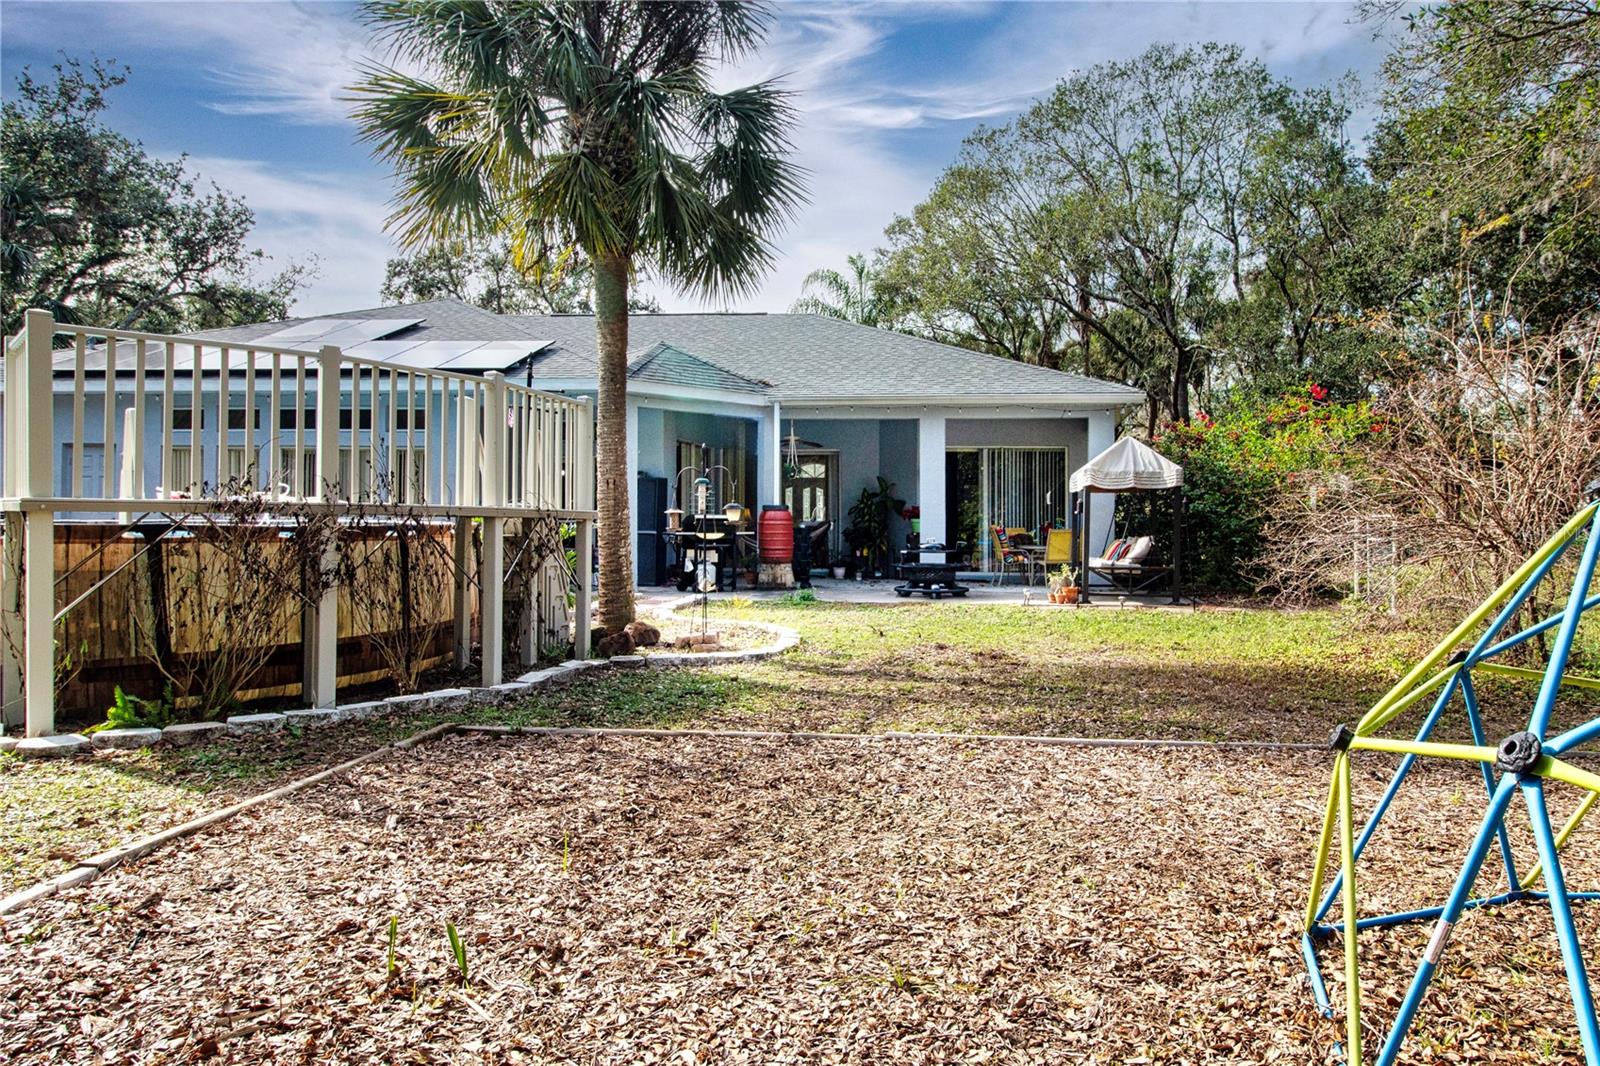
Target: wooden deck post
[[463, 573], [30, 375], [11, 628], [491, 593], [491, 580], [319, 634], [580, 618], [39, 624]]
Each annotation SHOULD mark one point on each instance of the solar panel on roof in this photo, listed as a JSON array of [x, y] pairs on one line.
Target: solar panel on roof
[[345, 332], [314, 327], [496, 356]]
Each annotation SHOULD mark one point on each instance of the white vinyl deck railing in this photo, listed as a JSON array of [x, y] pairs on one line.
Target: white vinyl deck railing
[[153, 419], [101, 421]]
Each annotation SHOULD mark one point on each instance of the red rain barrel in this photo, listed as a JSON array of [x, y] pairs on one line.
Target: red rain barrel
[[775, 534]]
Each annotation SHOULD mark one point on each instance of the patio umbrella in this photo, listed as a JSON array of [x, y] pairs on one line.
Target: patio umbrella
[[1129, 465]]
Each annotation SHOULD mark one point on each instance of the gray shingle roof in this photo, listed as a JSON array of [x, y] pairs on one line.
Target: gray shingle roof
[[815, 357], [793, 357], [442, 320], [670, 366]]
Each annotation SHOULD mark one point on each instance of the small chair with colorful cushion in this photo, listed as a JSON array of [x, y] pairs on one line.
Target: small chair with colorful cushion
[[1007, 550]]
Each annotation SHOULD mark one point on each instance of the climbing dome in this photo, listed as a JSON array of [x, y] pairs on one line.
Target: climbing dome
[[1524, 763]]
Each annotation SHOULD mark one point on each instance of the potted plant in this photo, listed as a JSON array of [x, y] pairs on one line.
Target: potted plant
[[1064, 585], [871, 516]]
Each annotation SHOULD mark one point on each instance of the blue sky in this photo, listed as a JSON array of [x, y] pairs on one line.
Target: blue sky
[[251, 93]]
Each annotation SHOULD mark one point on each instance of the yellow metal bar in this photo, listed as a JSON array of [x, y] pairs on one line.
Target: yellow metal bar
[[1447, 646], [1561, 838], [1466, 752], [1522, 672], [1399, 706], [1324, 845], [1565, 772], [1352, 961]]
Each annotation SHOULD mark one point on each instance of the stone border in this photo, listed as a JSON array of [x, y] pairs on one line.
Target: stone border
[[445, 699]]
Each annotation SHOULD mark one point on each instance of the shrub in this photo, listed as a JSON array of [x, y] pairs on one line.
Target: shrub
[[1237, 465]]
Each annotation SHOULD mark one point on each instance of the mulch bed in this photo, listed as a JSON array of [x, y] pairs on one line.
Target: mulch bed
[[693, 900]]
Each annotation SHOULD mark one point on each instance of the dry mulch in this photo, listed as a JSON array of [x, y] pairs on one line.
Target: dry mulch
[[731, 636], [691, 900]]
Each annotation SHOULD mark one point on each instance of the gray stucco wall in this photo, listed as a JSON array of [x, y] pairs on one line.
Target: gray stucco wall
[[1069, 433]]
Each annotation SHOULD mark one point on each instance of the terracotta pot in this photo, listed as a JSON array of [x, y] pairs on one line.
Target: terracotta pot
[[1069, 594]]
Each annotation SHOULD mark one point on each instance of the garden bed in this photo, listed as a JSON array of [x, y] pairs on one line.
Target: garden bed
[[885, 900]]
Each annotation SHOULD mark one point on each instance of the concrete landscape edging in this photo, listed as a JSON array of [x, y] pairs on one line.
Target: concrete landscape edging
[[445, 699]]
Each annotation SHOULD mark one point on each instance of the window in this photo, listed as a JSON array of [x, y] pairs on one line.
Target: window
[[236, 418], [183, 418], [416, 418], [346, 419], [287, 417]]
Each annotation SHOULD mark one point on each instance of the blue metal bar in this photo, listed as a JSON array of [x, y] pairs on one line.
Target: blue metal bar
[[1561, 909], [1540, 722], [1402, 917], [1308, 951], [1469, 696], [1574, 737], [1534, 630], [1448, 916], [1389, 794], [1512, 606]]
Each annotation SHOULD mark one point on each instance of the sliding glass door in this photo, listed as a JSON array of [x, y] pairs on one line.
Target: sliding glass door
[[1016, 488]]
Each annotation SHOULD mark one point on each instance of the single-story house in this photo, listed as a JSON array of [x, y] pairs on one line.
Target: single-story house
[[801, 409]]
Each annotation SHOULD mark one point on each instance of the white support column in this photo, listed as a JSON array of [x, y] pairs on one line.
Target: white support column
[[11, 627], [491, 597], [769, 458], [633, 480], [35, 472], [319, 633], [463, 574], [528, 579], [1102, 434], [580, 620], [930, 476], [327, 486], [320, 639], [38, 620]]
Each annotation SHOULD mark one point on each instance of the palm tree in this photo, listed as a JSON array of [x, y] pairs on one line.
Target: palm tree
[[856, 297], [595, 123]]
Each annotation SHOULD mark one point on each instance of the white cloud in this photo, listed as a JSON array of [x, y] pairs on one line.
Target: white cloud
[[301, 214], [859, 95]]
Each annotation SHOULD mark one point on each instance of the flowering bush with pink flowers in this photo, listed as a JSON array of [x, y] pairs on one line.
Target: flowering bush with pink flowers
[[1236, 462]]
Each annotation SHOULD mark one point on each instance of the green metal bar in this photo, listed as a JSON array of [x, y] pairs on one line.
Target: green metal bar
[[1352, 961], [1446, 647], [1324, 845], [1400, 706], [1523, 673], [1463, 752]]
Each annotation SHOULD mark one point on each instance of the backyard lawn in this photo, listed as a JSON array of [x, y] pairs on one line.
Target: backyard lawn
[[627, 899]]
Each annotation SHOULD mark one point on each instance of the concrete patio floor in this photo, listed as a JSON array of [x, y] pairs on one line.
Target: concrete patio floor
[[882, 591]]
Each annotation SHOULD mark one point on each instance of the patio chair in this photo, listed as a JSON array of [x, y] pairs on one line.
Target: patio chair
[[1057, 549], [1008, 541]]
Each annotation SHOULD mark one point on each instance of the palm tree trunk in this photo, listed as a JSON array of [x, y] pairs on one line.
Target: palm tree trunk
[[611, 451]]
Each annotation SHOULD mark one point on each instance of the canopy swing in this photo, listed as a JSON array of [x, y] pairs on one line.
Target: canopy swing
[[1528, 763], [1129, 465]]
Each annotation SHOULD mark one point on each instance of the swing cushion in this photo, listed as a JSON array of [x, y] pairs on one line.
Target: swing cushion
[[1130, 553]]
